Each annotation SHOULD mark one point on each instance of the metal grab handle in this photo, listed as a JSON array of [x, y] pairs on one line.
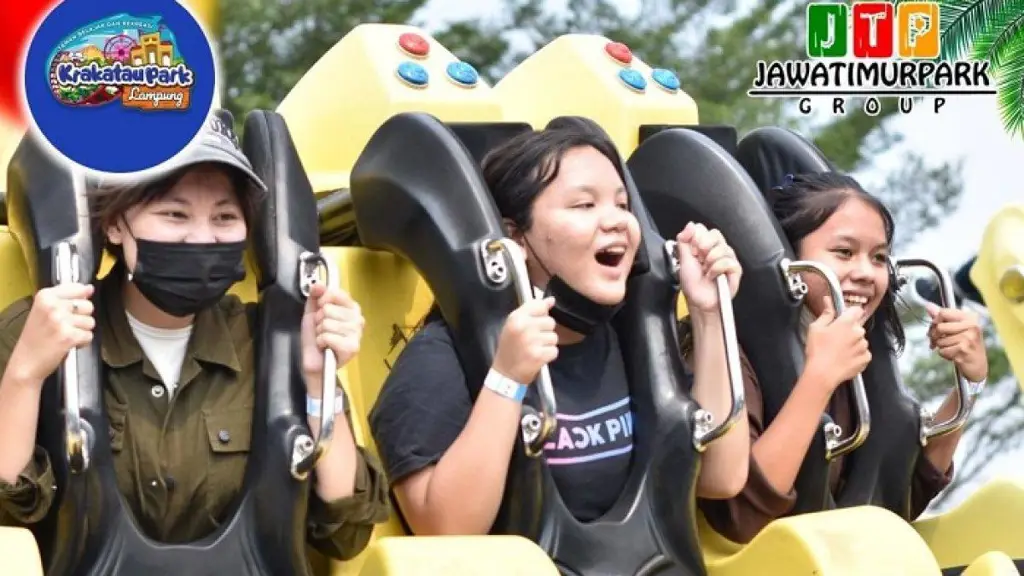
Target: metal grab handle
[[704, 433], [76, 433], [966, 394], [834, 446], [536, 428], [1012, 284], [307, 452]]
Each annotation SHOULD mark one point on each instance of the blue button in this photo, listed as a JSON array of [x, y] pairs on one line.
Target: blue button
[[463, 74], [633, 79], [413, 74], [666, 79]]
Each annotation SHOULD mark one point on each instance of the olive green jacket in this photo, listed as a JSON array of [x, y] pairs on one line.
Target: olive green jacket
[[180, 460]]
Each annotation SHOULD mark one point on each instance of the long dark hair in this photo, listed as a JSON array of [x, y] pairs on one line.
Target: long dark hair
[[804, 202]]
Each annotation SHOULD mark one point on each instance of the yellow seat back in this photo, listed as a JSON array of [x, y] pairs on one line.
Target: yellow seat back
[[986, 521], [574, 75], [394, 299], [14, 282], [331, 127], [1002, 249], [843, 542], [20, 552]]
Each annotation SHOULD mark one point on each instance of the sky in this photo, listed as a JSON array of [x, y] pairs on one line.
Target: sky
[[967, 129]]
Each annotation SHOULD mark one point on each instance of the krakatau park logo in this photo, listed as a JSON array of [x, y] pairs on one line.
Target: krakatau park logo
[[117, 91]]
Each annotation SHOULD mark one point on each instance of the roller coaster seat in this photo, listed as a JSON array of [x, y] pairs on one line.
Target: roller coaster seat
[[983, 522], [15, 284], [393, 299], [685, 176], [106, 535], [394, 309], [444, 221], [878, 471]]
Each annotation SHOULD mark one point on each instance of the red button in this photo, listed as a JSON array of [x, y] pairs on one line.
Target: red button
[[619, 51], [413, 44]]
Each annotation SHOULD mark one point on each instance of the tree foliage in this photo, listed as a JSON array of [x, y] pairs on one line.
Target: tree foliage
[[991, 30], [713, 45]]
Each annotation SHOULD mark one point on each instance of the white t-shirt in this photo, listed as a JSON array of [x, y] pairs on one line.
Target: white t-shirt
[[165, 349]]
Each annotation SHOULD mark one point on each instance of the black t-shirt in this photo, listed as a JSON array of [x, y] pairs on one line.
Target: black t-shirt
[[425, 403]]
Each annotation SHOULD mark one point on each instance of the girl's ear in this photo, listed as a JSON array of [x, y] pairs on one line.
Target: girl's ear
[[514, 232], [114, 234]]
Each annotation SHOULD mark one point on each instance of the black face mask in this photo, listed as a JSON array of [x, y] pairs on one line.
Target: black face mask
[[572, 309], [181, 278], [575, 311]]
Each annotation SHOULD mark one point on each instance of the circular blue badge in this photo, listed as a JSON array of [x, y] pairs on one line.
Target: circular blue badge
[[666, 79], [413, 74], [633, 79], [462, 73], [117, 88]]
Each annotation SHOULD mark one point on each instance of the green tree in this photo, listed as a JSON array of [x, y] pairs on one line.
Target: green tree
[[713, 45], [991, 30]]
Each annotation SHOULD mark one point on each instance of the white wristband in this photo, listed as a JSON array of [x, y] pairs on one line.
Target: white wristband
[[505, 386], [313, 405]]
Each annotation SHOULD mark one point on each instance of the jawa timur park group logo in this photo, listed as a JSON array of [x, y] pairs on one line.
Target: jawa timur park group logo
[[869, 51], [140, 74], [122, 59]]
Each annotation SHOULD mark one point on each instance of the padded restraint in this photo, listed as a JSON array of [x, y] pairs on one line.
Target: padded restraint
[[724, 136], [90, 530], [479, 138], [419, 193], [686, 177], [769, 153], [47, 206], [879, 472]]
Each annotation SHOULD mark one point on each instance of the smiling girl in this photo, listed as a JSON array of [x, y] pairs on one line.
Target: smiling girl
[[829, 218]]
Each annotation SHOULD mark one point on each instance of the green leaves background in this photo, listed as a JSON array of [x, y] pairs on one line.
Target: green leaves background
[[990, 30]]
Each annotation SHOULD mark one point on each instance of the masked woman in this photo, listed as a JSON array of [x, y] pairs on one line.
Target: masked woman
[[177, 352], [829, 218], [562, 197]]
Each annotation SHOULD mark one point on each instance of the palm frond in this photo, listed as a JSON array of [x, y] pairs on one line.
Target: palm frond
[[1011, 87], [1006, 24], [961, 22]]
